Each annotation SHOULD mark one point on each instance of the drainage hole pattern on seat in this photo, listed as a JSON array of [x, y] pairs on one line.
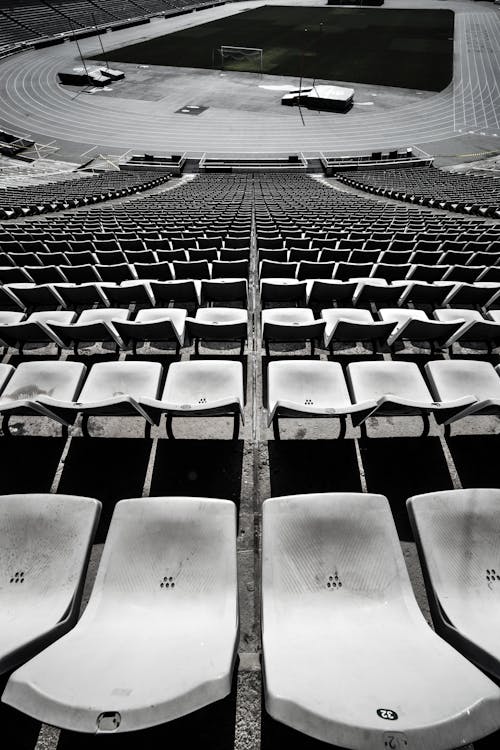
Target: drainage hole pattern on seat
[[334, 582], [491, 576], [167, 583], [18, 577]]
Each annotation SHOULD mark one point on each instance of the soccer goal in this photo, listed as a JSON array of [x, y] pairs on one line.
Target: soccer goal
[[248, 59]]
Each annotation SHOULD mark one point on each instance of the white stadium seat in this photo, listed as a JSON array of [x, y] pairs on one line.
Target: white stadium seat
[[452, 379], [44, 548], [348, 656], [457, 533], [158, 637], [310, 388]]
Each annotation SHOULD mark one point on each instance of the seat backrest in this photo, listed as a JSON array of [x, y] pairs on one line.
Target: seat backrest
[[59, 380], [458, 533], [172, 555], [44, 544], [325, 552]]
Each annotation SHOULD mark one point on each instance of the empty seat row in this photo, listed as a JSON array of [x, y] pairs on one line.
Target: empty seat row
[[452, 390], [65, 328], [22, 296], [61, 390], [387, 251], [163, 271], [336, 596], [34, 253], [305, 270], [358, 292]]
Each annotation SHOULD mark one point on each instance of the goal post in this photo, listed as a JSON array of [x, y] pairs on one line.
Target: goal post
[[240, 57]]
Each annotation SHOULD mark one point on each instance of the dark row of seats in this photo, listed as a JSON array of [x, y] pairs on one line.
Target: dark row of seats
[[388, 271], [57, 196], [119, 272], [428, 186]]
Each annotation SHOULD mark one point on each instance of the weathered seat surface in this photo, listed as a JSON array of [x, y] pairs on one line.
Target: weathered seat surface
[[416, 325], [44, 546], [312, 388], [112, 389], [158, 637], [34, 382], [348, 656], [399, 389], [458, 538], [156, 324], [200, 387], [352, 324], [95, 324], [455, 378], [474, 326]]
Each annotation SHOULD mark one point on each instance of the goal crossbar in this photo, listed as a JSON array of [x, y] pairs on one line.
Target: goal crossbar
[[228, 47]]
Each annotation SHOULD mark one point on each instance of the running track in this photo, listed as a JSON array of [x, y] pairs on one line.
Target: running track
[[33, 102]]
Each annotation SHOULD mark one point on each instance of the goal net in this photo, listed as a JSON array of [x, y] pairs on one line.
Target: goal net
[[247, 59]]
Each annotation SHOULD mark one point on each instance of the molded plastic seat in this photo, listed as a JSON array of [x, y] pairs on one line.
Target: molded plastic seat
[[81, 295], [218, 324], [378, 291], [291, 324], [186, 291], [347, 271], [425, 293], [313, 270], [34, 382], [283, 290], [92, 325], [112, 389], [129, 292], [158, 637], [348, 656], [416, 325], [457, 533], [481, 294], [224, 290], [36, 295], [200, 388], [161, 271], [399, 389], [456, 378], [158, 324], [6, 372], [309, 388], [8, 300], [34, 329], [45, 543], [474, 326], [196, 269], [83, 274], [346, 324], [321, 292]]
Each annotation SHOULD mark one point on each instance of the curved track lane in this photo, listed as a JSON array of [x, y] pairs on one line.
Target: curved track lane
[[34, 102]]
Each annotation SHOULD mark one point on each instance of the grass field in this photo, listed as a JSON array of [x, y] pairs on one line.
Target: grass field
[[388, 47]]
